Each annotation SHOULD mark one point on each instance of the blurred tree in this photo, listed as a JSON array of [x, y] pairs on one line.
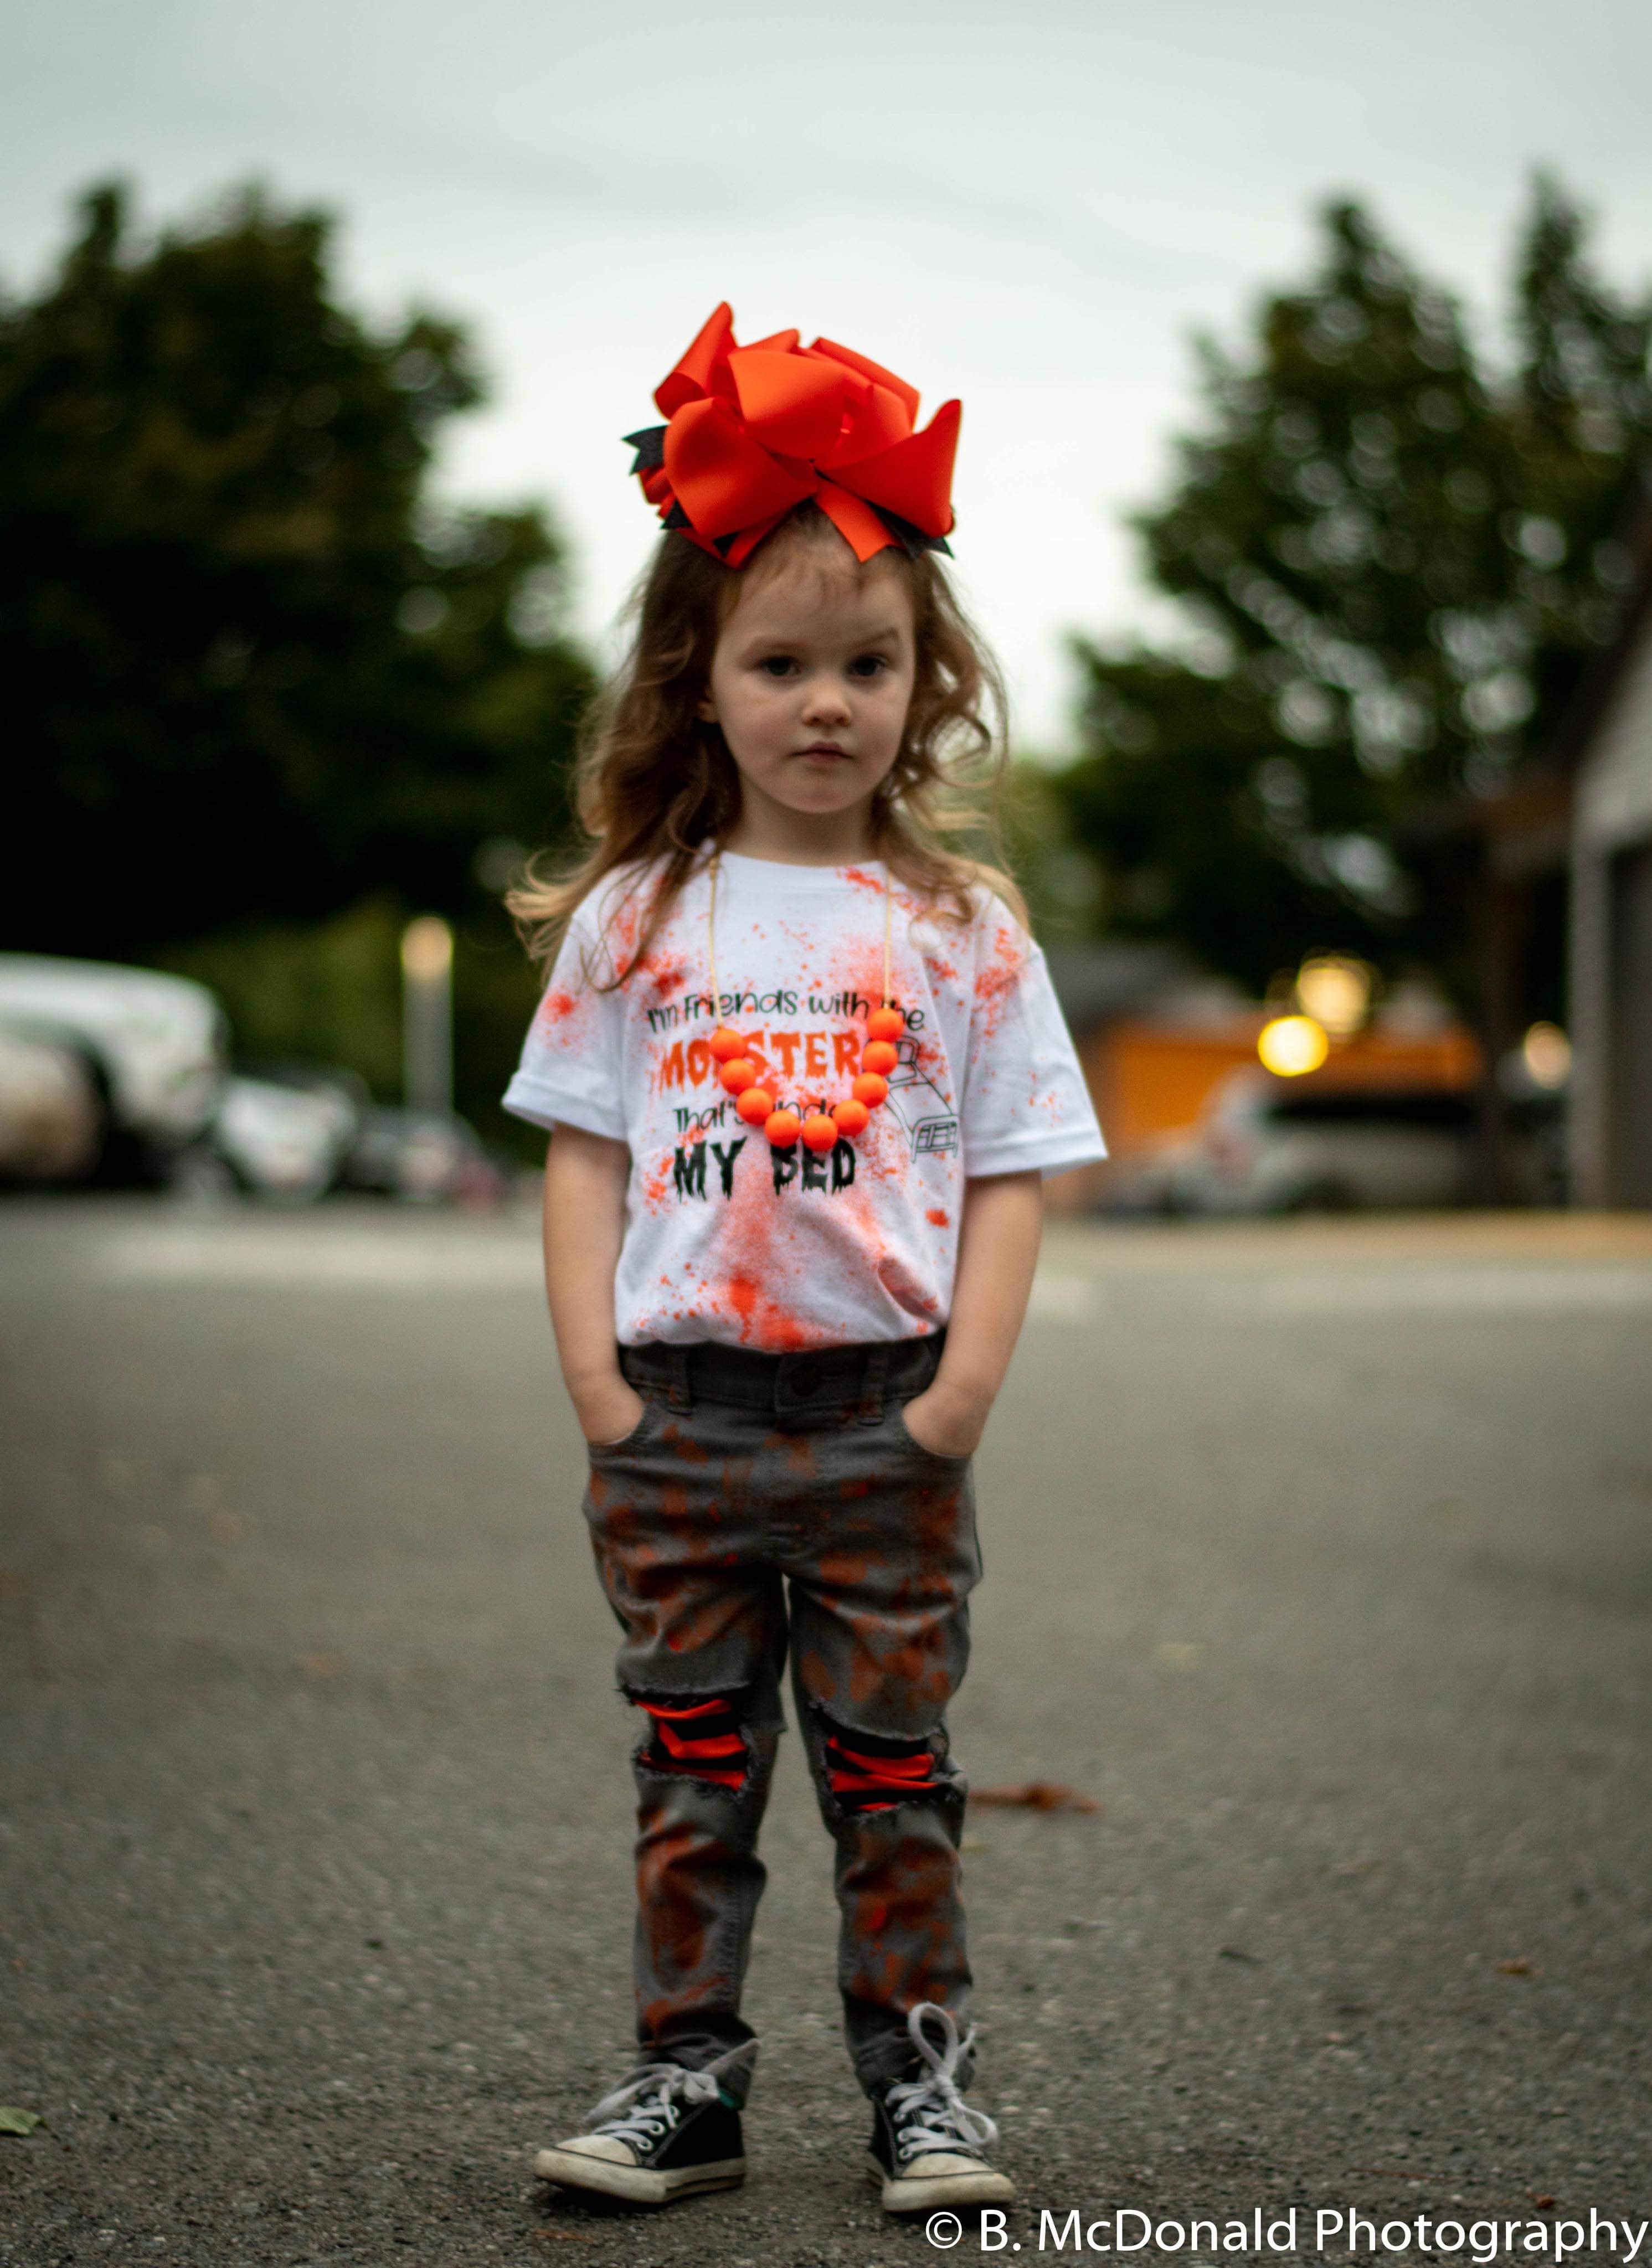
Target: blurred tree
[[1580, 416], [1392, 568], [250, 677]]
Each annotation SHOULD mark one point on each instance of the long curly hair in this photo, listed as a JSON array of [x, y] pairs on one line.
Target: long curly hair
[[654, 782]]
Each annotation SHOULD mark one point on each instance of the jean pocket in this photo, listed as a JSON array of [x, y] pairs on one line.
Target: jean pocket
[[935, 1456], [628, 1441]]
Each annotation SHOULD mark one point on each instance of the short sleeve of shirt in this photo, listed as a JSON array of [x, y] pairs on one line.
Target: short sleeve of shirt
[[571, 1068], [1026, 1106]]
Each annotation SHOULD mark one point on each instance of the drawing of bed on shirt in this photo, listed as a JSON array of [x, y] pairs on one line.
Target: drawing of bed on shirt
[[919, 1108]]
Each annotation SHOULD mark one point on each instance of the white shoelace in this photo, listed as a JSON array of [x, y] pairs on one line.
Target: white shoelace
[[648, 2104], [930, 2114]]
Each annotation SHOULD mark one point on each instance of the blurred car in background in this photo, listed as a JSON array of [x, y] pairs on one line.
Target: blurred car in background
[[52, 1117], [147, 1049], [293, 1132], [121, 1074], [279, 1134], [429, 1157], [1268, 1145]]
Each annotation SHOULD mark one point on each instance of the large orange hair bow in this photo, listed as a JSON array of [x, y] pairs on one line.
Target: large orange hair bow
[[752, 432]]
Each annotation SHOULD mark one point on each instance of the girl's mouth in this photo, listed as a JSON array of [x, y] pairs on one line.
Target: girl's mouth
[[823, 748]]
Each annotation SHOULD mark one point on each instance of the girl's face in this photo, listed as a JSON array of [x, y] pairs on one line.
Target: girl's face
[[812, 678]]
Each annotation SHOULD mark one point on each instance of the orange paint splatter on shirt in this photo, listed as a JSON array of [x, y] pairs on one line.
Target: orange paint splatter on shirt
[[996, 981], [655, 1186], [777, 1330], [763, 1267], [664, 973]]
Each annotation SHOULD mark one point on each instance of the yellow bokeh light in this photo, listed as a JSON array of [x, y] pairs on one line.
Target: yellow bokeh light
[[1547, 1054], [1334, 990], [427, 949], [1291, 1045]]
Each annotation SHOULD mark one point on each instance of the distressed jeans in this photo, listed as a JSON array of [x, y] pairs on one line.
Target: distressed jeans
[[767, 1504]]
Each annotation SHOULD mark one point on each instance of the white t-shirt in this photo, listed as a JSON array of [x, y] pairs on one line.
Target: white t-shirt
[[726, 1237]]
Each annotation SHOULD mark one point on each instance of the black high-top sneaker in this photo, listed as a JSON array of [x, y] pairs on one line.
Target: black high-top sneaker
[[927, 2142], [667, 2132]]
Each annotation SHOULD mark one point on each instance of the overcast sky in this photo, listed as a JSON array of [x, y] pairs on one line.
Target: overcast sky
[[1030, 204]]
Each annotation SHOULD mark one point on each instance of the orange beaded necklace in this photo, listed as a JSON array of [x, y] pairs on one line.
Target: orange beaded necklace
[[757, 1104]]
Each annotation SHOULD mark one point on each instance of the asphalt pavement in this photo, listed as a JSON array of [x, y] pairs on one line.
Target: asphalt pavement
[[1319, 1557]]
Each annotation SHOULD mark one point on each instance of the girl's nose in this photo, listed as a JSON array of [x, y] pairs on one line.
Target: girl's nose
[[826, 702]]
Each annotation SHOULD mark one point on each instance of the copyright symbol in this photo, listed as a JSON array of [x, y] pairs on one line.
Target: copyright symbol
[[944, 2229]]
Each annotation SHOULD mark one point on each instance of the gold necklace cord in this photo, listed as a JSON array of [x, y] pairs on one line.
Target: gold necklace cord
[[889, 917], [711, 935], [711, 940]]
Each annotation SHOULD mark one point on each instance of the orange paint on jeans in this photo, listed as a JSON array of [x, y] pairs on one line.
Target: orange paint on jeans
[[682, 1444]]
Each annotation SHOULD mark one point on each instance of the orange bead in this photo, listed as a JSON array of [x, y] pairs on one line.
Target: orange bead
[[870, 1089], [885, 1024], [880, 1057], [783, 1128], [755, 1105], [727, 1043], [738, 1075], [851, 1117], [819, 1133]]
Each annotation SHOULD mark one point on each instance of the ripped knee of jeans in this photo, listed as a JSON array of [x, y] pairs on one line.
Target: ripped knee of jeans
[[704, 1738], [874, 1771]]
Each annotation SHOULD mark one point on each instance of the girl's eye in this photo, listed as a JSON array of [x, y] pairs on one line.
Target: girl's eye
[[868, 665], [776, 665]]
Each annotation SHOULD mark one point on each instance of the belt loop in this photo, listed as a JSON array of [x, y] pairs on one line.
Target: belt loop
[[679, 1393], [877, 1371]]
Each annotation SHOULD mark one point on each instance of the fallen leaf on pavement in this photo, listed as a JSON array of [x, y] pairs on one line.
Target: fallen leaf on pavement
[[1036, 1795], [1516, 1969], [13, 2121]]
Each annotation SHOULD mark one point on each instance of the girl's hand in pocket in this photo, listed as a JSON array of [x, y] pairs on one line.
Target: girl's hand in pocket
[[608, 1416], [943, 1423]]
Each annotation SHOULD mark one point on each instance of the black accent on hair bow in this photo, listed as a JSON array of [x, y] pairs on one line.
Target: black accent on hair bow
[[650, 445], [913, 541]]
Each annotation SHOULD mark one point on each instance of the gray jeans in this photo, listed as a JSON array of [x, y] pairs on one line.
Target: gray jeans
[[766, 1504]]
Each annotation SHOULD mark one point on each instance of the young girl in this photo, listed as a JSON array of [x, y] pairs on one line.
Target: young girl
[[803, 1069]]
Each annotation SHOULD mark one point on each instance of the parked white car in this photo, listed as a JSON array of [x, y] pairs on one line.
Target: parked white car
[[52, 1117], [1271, 1146], [278, 1140], [154, 1045]]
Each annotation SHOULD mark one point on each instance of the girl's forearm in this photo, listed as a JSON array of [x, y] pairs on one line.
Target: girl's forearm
[[584, 1224], [998, 1252]]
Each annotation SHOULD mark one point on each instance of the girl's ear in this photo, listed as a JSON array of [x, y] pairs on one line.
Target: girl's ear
[[705, 708]]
